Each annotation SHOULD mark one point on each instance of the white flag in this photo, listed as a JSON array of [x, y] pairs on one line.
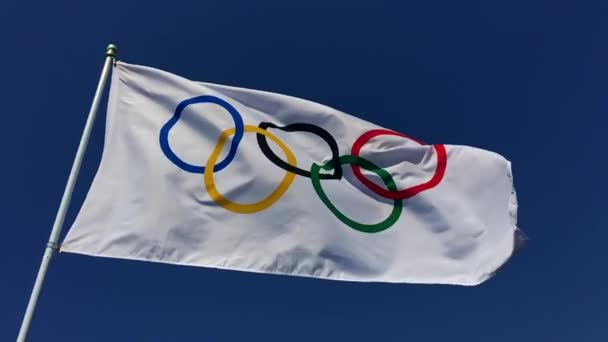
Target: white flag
[[209, 175]]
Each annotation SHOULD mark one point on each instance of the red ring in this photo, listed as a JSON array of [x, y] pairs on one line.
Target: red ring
[[442, 162]]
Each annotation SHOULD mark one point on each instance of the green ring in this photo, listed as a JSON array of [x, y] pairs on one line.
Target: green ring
[[367, 165]]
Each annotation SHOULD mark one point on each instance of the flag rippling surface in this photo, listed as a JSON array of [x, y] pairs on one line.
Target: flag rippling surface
[[209, 175]]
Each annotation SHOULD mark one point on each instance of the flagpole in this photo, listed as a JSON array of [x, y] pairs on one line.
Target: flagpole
[[52, 246]]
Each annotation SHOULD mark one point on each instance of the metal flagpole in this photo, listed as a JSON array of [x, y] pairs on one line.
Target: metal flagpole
[[52, 246]]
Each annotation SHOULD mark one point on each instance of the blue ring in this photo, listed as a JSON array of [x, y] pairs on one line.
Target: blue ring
[[238, 135]]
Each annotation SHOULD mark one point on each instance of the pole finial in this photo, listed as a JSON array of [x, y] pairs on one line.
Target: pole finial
[[111, 50]]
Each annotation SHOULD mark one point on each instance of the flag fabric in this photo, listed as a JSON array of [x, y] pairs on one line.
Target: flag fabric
[[216, 176]]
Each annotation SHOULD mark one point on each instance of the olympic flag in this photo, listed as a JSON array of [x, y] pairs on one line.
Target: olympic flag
[[209, 175]]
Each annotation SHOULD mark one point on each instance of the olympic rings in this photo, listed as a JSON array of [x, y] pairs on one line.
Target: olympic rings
[[253, 207], [405, 193], [301, 127], [164, 133], [366, 164], [290, 165]]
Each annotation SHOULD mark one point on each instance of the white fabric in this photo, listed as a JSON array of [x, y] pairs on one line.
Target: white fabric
[[142, 206]]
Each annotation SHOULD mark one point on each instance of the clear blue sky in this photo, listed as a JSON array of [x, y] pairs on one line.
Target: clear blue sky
[[527, 79]]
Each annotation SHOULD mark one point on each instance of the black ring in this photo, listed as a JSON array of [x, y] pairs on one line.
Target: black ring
[[302, 127]]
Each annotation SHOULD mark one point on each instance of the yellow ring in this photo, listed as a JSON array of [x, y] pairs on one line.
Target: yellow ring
[[253, 207]]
